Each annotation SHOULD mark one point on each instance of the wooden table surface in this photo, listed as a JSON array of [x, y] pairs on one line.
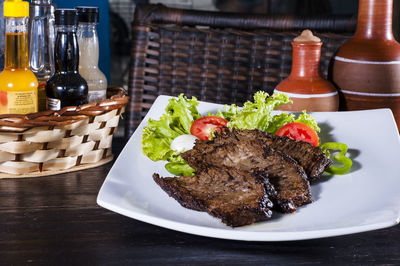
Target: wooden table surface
[[55, 220]]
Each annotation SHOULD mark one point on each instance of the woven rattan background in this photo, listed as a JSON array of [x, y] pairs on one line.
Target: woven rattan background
[[222, 65]]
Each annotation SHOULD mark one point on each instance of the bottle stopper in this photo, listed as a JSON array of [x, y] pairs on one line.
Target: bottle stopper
[[16, 8], [307, 36], [88, 14], [66, 16]]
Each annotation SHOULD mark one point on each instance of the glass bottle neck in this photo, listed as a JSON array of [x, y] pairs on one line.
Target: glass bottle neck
[[41, 41], [65, 28], [375, 19], [66, 51], [42, 10], [88, 45], [16, 50], [87, 29]]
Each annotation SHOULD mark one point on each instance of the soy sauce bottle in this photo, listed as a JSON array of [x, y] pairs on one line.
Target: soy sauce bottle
[[66, 87]]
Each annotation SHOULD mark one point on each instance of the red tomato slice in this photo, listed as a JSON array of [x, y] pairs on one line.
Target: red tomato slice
[[204, 126], [300, 132]]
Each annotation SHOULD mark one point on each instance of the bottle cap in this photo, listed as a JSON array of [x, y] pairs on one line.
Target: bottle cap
[[89, 14], [16, 8], [66, 16]]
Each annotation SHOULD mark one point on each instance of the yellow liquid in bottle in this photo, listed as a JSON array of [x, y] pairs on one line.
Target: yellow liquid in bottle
[[18, 84]]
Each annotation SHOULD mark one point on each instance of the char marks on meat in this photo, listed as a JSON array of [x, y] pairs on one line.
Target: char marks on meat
[[236, 197], [241, 174], [230, 150], [312, 159]]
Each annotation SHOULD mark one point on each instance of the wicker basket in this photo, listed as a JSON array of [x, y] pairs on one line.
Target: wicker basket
[[52, 142], [215, 56]]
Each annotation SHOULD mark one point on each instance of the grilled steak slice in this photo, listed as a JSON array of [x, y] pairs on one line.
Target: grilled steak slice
[[226, 149], [311, 158], [236, 197]]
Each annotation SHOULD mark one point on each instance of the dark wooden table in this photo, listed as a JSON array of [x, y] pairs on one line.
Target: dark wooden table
[[55, 220]]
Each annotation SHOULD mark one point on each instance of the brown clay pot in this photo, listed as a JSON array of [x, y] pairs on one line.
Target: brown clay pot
[[305, 86], [367, 68]]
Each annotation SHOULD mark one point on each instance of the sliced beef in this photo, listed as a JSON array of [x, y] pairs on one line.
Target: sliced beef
[[236, 197], [311, 158], [230, 150]]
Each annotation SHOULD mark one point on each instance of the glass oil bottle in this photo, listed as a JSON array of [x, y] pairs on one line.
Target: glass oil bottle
[[18, 84]]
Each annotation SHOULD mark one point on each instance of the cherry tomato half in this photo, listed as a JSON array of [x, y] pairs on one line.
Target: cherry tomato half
[[204, 126], [300, 132]]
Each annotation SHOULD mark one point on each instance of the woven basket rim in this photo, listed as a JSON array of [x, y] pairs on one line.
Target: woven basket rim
[[66, 116]]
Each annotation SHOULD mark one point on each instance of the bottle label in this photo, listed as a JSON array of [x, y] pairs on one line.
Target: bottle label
[[18, 102], [53, 104], [96, 96]]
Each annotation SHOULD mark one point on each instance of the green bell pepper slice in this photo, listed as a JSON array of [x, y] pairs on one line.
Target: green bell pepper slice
[[339, 157]]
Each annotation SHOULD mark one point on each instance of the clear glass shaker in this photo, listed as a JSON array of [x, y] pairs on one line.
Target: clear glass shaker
[[89, 53], [41, 45]]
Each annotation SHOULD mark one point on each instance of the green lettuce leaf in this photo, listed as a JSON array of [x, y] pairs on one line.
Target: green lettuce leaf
[[278, 121], [258, 114], [308, 120], [228, 112], [158, 134]]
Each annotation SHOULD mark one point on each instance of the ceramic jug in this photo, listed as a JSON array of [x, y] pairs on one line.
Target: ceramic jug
[[367, 68], [305, 85]]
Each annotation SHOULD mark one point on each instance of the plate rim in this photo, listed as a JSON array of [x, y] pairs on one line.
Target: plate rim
[[258, 236]]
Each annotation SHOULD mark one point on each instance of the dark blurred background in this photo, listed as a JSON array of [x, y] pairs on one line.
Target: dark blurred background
[[116, 17], [121, 15]]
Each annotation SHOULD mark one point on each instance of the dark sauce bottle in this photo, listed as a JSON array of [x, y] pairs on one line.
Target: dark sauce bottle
[[66, 87]]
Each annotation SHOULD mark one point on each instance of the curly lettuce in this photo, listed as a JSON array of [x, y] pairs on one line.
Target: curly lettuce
[[258, 114], [177, 120], [308, 120]]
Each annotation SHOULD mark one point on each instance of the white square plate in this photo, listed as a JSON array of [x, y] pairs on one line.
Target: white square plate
[[367, 198]]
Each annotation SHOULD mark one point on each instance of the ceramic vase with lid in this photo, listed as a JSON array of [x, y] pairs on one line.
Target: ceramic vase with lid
[[305, 86], [367, 68]]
